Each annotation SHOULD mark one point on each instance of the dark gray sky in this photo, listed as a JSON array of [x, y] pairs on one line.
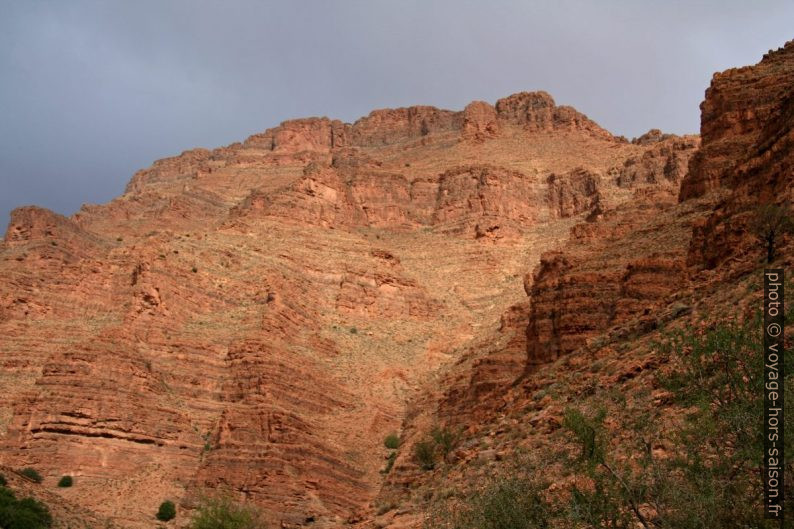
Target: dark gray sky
[[93, 90]]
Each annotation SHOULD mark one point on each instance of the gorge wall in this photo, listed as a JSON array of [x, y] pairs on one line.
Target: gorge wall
[[256, 318]]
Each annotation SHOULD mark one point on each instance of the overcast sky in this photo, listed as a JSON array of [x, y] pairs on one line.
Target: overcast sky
[[91, 91]]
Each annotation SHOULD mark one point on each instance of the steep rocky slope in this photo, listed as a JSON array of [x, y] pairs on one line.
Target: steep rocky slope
[[258, 317], [748, 130], [598, 304]]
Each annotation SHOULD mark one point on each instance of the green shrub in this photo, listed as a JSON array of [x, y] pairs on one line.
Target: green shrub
[[32, 474], [446, 440], [425, 454], [718, 376], [392, 441], [589, 434], [223, 513], [505, 503], [3, 481], [22, 514], [167, 511], [710, 478], [65, 481]]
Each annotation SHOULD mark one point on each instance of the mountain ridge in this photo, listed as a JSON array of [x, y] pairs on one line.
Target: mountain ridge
[[257, 318]]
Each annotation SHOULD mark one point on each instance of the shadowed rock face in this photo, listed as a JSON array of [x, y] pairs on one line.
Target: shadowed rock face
[[633, 260], [574, 192], [627, 267], [609, 273], [664, 164], [257, 317], [745, 117], [747, 153]]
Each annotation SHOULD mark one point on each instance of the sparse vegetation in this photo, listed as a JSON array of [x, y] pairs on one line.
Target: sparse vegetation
[[31, 473], [770, 223], [389, 463], [706, 477], [223, 513], [3, 481], [26, 513], [207, 438], [445, 439], [609, 499], [505, 503], [65, 481], [425, 454], [384, 507], [441, 441], [167, 511], [710, 480], [353, 330], [392, 441], [194, 270]]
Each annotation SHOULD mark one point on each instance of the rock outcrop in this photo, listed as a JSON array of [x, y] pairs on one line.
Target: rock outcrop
[[633, 267], [664, 164], [573, 193], [744, 116], [612, 271], [537, 111], [258, 317], [747, 128]]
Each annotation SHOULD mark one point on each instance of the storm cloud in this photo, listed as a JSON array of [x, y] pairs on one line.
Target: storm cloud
[[91, 91]]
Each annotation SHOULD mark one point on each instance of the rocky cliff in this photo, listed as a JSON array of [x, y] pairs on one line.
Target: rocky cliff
[[258, 317], [597, 304], [747, 129]]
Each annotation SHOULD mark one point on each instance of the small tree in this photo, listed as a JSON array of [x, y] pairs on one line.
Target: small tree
[[389, 463], [31, 473], [770, 223], [66, 481], [167, 511], [602, 506]]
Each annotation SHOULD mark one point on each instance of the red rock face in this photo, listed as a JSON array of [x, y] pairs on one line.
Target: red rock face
[[537, 111], [611, 272], [603, 278], [747, 153], [574, 192], [258, 317], [665, 164], [742, 117], [633, 262], [480, 121], [484, 200]]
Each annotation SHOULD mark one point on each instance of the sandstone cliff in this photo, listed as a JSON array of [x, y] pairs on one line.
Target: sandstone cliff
[[597, 303], [747, 128], [258, 317]]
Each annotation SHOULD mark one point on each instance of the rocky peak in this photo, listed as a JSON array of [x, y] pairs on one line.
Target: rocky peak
[[260, 316], [740, 106], [652, 136], [537, 111]]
